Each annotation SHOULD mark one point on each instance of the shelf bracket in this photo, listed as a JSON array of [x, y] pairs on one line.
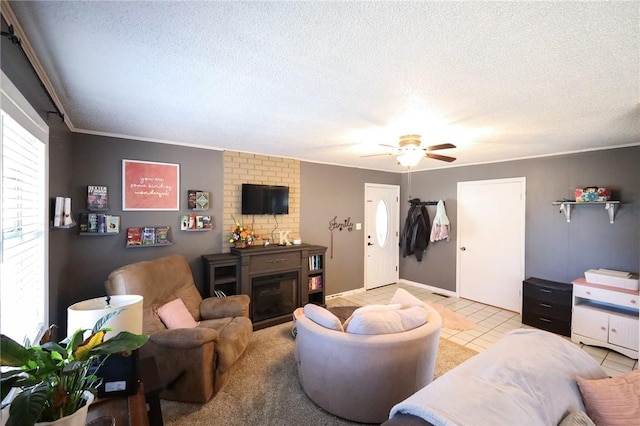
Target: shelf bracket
[[566, 209], [611, 209]]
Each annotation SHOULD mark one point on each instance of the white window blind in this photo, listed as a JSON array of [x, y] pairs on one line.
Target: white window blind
[[24, 195]]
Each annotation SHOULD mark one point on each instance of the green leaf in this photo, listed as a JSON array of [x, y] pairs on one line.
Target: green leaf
[[122, 342], [102, 321], [12, 353], [28, 405]]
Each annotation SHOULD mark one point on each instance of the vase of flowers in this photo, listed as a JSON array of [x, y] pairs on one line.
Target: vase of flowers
[[55, 381], [241, 236]]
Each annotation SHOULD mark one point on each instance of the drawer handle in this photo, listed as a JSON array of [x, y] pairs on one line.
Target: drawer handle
[[614, 330], [633, 301], [544, 305], [544, 290], [544, 319], [603, 328], [275, 261], [588, 292]]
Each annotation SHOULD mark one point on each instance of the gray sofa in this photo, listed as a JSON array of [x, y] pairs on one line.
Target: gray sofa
[[360, 377], [527, 377]]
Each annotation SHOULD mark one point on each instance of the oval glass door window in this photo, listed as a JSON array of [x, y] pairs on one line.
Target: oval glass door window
[[382, 223]]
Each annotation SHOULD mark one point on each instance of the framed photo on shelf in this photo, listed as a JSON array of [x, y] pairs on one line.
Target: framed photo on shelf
[[148, 185]]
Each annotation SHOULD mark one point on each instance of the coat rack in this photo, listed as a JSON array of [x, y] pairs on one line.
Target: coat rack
[[417, 202]]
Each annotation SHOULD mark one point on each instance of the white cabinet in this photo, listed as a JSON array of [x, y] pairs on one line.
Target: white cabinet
[[606, 316]]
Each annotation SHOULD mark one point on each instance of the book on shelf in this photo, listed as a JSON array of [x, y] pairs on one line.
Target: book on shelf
[[58, 211], [102, 223], [84, 222], [134, 236], [162, 235], [315, 283], [148, 235], [92, 220], [190, 222], [113, 223], [184, 222], [97, 197], [67, 217], [197, 199], [315, 262]]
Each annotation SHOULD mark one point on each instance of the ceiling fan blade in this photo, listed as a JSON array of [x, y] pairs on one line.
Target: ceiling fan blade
[[440, 157], [377, 155], [388, 146], [441, 146]]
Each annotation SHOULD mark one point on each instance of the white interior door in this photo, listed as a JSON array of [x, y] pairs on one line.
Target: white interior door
[[382, 223], [490, 235]]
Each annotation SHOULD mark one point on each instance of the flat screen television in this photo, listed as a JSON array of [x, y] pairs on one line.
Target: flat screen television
[[265, 199]]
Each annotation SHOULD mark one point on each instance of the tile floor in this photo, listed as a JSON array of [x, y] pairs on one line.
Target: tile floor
[[491, 322]]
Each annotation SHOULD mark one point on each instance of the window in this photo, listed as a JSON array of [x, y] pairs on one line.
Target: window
[[24, 194]]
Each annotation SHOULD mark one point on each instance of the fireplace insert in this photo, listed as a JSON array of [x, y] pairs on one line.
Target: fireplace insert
[[274, 295]]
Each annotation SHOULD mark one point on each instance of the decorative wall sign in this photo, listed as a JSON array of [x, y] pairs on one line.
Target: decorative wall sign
[[147, 185], [334, 224]]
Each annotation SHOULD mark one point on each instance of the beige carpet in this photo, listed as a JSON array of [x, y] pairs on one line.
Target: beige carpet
[[264, 388]]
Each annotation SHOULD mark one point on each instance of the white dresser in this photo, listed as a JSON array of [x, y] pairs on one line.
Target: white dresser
[[606, 316]]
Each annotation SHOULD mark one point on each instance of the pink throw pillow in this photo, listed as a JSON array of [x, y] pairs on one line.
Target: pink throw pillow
[[613, 401], [176, 315]]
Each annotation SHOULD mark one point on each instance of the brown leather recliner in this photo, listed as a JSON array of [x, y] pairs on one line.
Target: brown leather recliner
[[193, 363]]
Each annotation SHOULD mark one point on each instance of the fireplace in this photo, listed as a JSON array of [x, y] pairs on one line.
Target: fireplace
[[274, 295]]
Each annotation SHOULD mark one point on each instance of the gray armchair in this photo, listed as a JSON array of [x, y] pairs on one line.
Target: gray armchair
[[193, 363]]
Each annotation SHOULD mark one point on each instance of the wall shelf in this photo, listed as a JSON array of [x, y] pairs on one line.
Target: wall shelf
[[64, 226], [565, 207], [98, 234], [148, 245], [197, 230]]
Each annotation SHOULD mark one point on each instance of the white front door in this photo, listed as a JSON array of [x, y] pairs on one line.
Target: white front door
[[382, 223], [491, 229]]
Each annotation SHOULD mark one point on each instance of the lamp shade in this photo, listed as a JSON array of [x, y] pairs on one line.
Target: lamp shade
[[85, 314]]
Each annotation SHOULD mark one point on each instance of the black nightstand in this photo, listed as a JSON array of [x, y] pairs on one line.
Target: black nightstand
[[547, 305]]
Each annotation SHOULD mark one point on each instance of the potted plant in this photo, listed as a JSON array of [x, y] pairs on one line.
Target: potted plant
[[57, 379], [241, 236]]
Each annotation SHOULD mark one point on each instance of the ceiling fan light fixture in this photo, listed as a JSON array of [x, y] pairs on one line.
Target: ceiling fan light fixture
[[410, 157]]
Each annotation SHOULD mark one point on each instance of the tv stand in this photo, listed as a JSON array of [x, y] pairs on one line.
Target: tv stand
[[240, 270]]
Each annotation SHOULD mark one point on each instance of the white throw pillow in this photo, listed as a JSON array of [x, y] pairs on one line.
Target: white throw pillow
[[386, 321], [405, 298], [322, 317], [391, 307]]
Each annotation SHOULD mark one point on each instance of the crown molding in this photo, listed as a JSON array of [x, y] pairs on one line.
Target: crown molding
[[10, 17]]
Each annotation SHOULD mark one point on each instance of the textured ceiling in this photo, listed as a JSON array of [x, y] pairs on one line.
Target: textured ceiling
[[329, 81]]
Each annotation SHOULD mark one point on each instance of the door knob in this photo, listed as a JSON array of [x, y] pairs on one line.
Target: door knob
[[463, 248], [369, 244]]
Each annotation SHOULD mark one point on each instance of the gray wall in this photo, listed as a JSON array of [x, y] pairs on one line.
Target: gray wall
[[555, 250], [333, 191], [97, 160]]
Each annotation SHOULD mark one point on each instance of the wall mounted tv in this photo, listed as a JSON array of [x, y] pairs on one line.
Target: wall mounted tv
[[265, 199]]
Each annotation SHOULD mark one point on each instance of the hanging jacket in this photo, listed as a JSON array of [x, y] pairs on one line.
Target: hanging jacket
[[415, 233], [441, 228]]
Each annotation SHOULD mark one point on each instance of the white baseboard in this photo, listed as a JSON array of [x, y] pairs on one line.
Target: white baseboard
[[345, 293], [433, 289]]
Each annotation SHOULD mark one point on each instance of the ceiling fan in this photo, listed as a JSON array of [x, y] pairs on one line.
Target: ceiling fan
[[409, 152]]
